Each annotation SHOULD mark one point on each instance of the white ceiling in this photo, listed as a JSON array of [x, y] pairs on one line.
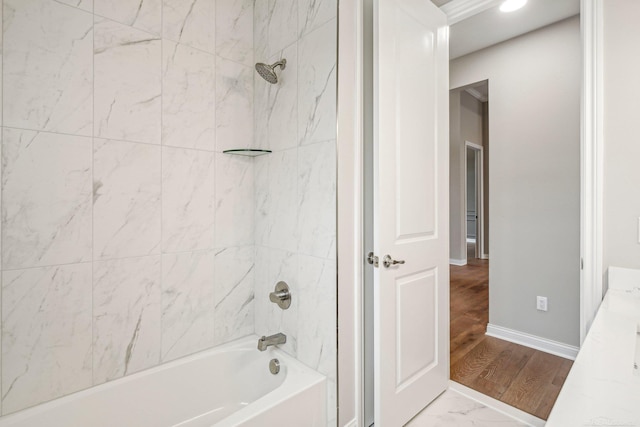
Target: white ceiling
[[492, 26]]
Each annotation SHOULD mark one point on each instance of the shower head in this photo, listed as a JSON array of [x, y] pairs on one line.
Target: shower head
[[268, 72]]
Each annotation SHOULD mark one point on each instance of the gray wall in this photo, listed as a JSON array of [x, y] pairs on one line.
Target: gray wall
[[456, 180], [485, 175], [470, 119], [621, 144], [471, 192], [534, 83], [465, 124]]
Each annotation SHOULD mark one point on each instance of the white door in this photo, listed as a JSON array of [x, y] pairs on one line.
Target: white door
[[411, 207]]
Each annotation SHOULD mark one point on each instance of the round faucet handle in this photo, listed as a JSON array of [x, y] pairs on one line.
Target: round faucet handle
[[281, 295]]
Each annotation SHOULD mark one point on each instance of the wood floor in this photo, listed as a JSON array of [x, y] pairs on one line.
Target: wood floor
[[522, 377]]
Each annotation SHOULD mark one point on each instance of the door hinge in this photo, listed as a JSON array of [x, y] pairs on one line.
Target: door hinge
[[372, 259], [581, 264]]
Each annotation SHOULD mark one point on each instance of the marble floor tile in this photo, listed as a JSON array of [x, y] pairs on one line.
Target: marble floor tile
[[453, 409]]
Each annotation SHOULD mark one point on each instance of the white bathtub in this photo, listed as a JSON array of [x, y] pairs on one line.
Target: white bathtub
[[228, 386]]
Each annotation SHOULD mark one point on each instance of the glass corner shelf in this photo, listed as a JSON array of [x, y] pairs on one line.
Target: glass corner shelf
[[249, 152]]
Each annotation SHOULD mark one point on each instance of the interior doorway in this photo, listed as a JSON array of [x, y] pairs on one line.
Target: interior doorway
[[474, 200]]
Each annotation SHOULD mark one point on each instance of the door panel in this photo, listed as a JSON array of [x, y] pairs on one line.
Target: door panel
[[415, 118], [411, 300], [417, 305]]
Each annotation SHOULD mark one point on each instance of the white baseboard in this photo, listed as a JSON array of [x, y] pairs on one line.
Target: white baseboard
[[532, 341], [458, 262], [496, 405], [471, 240], [484, 256]]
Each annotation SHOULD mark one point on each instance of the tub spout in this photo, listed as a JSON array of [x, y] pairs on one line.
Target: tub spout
[[265, 342]]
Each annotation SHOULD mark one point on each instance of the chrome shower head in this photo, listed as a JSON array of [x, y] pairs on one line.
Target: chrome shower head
[[268, 72]]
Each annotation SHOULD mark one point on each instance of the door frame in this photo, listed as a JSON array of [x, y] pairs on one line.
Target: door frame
[[350, 184], [591, 164], [479, 172]]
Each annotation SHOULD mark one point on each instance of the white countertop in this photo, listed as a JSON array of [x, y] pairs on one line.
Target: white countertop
[[603, 388]]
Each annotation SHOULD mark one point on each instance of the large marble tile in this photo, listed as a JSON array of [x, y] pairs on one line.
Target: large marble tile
[[317, 199], [261, 112], [1, 97], [454, 409], [314, 13], [276, 213], [190, 23], [189, 94], [187, 303], [317, 85], [272, 266], [283, 24], [144, 15], [234, 30], [46, 334], [48, 67], [46, 199], [234, 201], [262, 200], [282, 213], [127, 90], [188, 199], [332, 403], [1, 245], [126, 199], [80, 4], [261, 30], [234, 274], [234, 105], [283, 103], [317, 327], [126, 316]]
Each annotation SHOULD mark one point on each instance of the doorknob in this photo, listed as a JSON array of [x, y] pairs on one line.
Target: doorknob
[[372, 259], [387, 261]]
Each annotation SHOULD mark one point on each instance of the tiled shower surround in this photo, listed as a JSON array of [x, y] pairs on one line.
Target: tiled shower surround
[[128, 238]]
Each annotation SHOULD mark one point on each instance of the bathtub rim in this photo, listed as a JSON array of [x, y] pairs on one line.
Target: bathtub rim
[[245, 343]]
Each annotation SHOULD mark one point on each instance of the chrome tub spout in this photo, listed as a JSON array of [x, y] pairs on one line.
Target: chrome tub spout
[[266, 342]]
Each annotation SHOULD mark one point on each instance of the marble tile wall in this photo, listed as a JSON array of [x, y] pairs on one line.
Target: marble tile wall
[[127, 236], [295, 186]]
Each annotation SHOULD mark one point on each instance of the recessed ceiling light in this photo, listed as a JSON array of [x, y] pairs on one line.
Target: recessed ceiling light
[[511, 5]]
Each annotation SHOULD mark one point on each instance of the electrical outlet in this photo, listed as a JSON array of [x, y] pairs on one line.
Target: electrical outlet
[[541, 303]]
